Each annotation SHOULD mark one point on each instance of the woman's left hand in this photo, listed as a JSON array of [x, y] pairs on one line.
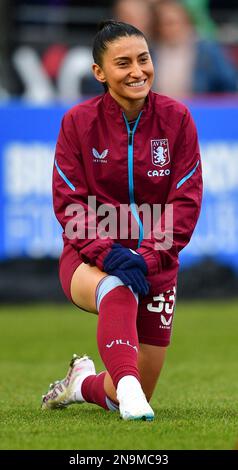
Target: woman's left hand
[[124, 258]]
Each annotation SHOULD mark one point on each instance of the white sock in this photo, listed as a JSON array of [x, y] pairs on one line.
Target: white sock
[[128, 384]]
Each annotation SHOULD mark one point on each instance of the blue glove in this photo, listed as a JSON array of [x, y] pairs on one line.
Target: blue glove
[[129, 266], [132, 277], [124, 258]]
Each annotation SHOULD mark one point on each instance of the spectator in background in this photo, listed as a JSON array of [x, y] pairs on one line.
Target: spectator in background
[[185, 64], [199, 11], [136, 12]]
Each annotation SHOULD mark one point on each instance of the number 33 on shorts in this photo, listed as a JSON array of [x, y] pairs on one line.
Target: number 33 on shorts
[[155, 318], [164, 305]]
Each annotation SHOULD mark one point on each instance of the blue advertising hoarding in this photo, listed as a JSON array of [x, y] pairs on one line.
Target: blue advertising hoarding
[[216, 234], [27, 141]]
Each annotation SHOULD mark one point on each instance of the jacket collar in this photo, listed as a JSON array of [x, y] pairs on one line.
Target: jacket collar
[[112, 106]]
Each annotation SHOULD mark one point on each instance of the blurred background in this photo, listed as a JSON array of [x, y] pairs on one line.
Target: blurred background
[[45, 60]]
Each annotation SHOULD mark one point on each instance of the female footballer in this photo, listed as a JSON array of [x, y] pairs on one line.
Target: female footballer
[[127, 148]]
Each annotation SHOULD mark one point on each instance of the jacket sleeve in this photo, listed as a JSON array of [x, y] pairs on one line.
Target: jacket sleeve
[[70, 198], [184, 197]]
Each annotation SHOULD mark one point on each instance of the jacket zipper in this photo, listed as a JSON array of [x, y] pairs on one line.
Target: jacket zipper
[[131, 133], [130, 138]]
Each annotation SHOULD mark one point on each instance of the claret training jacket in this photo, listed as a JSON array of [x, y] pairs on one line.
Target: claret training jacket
[[154, 160]]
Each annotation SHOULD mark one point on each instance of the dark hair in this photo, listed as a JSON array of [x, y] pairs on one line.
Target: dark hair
[[109, 31]]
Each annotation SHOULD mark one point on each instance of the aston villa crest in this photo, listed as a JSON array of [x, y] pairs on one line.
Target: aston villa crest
[[160, 152]]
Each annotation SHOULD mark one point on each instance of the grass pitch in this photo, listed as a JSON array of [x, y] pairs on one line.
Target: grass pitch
[[196, 400]]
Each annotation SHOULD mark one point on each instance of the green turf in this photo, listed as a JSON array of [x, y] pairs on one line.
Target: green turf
[[196, 401]]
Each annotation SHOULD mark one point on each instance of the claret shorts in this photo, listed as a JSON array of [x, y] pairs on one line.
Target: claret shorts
[[155, 312]]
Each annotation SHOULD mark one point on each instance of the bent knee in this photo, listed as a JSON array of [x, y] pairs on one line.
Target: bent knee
[[84, 284]]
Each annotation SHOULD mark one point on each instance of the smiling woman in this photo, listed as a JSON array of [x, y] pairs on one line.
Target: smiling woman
[[128, 147], [125, 67]]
